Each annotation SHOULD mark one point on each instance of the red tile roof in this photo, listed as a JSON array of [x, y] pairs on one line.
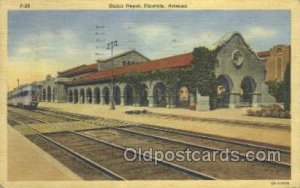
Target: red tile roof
[[263, 54], [178, 61], [78, 70]]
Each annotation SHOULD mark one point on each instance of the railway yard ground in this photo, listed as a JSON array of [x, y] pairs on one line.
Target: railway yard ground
[[219, 127], [78, 141]]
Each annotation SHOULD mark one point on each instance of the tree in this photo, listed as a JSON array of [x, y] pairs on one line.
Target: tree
[[276, 89], [203, 68], [287, 88]]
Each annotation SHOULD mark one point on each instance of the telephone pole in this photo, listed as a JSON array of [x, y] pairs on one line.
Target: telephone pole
[[111, 46]]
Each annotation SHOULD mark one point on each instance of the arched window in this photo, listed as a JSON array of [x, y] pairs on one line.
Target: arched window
[[278, 68], [97, 95], [159, 94], [70, 96], [128, 95]]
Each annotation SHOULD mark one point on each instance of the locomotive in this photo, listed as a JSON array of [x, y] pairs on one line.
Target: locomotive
[[24, 96]]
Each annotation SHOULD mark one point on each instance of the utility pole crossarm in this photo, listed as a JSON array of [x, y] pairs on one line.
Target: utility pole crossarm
[[112, 44]]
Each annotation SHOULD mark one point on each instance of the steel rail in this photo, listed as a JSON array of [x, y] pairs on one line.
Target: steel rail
[[94, 117], [174, 166], [199, 146], [181, 142], [79, 115], [59, 115], [87, 123], [207, 137], [227, 121], [215, 138], [88, 161], [36, 119]]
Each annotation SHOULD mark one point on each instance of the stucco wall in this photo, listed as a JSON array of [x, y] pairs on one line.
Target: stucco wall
[[276, 52], [251, 65], [118, 61], [58, 90]]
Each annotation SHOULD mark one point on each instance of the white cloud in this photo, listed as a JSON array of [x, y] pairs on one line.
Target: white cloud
[[162, 40], [45, 43], [31, 50], [154, 40], [158, 40], [260, 32], [203, 38], [62, 46]]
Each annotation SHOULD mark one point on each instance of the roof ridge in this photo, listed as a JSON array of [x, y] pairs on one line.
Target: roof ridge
[[82, 65], [166, 58], [121, 54]]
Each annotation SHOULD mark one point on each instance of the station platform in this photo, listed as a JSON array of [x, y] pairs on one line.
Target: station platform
[[263, 135], [28, 162]]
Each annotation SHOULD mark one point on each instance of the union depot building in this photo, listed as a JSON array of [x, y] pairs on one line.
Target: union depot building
[[240, 73]]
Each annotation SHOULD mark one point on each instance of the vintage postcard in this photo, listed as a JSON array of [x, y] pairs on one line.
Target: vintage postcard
[[149, 93]]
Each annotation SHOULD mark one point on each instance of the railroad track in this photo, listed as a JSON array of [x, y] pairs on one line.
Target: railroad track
[[193, 135], [20, 118], [165, 130], [85, 117], [70, 117], [65, 114], [220, 169], [212, 141], [26, 117], [240, 123], [40, 117], [53, 147], [214, 147], [146, 136], [108, 158]]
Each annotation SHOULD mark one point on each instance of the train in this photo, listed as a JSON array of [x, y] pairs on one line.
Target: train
[[24, 96]]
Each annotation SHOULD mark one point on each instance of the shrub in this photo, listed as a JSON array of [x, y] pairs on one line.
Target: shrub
[[136, 111], [274, 111]]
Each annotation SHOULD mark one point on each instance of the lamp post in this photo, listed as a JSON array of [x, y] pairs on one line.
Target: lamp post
[[111, 46]]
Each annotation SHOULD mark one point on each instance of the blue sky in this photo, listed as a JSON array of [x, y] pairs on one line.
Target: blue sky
[[63, 39]]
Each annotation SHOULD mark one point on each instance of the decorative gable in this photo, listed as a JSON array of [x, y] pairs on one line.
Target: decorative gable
[[128, 58]]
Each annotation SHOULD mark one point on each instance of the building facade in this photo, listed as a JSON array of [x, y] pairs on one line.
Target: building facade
[[277, 59], [240, 73], [53, 90]]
